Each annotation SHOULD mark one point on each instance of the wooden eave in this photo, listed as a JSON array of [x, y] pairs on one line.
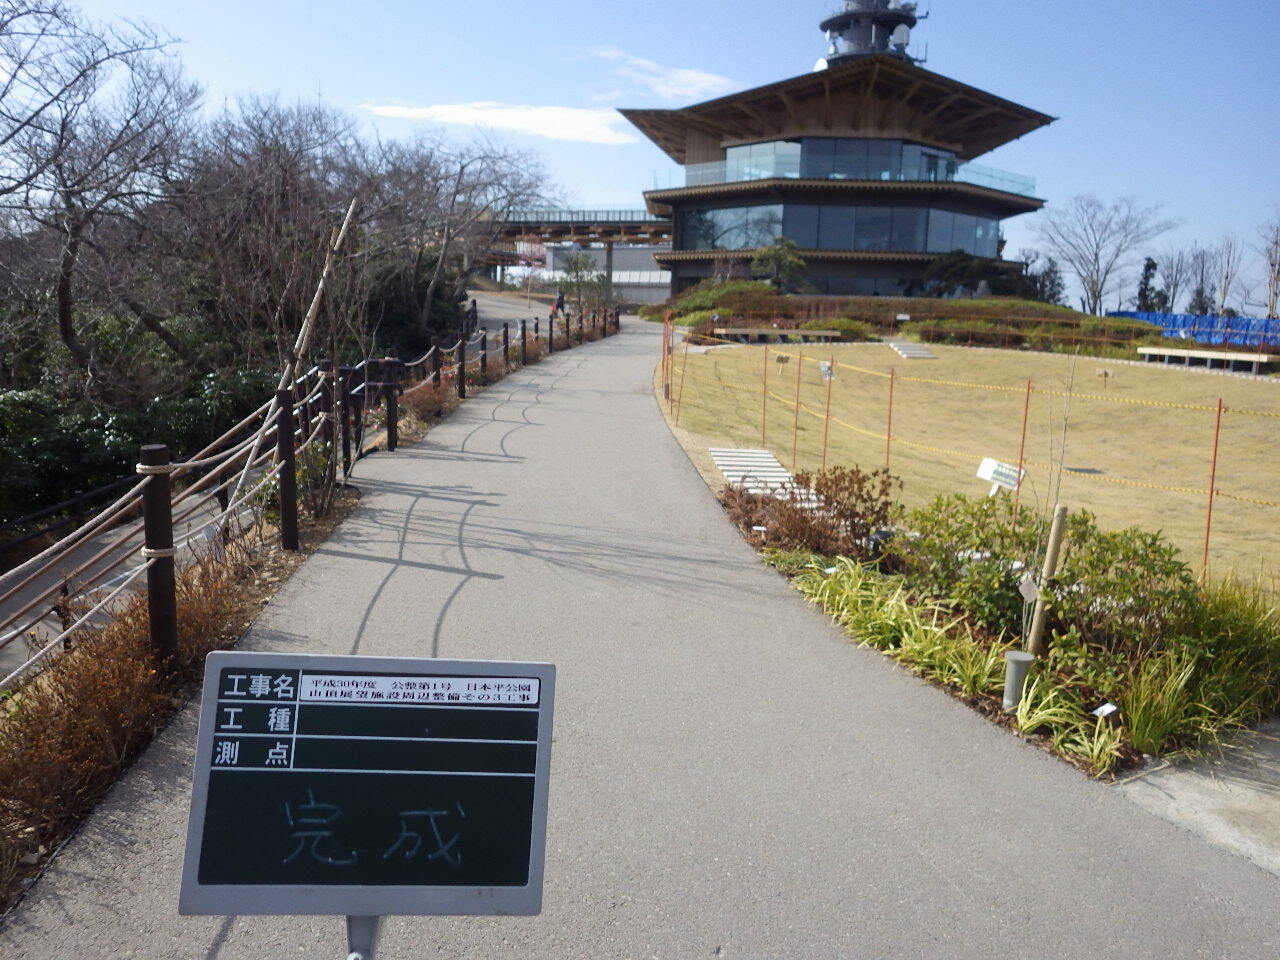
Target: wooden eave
[[666, 258], [660, 202], [869, 96]]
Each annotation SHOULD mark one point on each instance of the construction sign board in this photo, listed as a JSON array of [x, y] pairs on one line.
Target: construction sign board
[[366, 786]]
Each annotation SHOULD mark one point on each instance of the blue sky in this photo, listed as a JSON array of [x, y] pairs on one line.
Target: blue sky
[[1172, 101]]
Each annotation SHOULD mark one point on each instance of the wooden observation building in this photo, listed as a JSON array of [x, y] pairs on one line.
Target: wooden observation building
[[866, 163]]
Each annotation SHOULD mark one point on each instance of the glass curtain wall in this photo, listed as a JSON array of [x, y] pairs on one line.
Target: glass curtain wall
[[828, 227]]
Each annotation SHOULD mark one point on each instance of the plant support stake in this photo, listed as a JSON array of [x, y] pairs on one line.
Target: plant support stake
[[1036, 644]]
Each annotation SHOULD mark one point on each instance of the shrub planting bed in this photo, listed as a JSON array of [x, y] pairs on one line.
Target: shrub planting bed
[[938, 589]]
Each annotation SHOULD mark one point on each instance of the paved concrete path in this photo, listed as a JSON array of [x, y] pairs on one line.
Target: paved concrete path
[[730, 777]]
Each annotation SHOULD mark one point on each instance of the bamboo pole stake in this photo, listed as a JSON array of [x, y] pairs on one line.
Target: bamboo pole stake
[[1213, 481], [1036, 645], [795, 422], [826, 427]]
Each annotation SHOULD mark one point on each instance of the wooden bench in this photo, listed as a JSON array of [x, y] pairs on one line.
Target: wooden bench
[[1213, 359]]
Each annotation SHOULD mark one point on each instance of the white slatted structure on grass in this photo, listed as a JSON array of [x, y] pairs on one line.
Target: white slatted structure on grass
[[910, 350], [759, 472]]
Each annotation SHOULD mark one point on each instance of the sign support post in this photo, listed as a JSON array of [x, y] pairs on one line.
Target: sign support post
[[362, 937]]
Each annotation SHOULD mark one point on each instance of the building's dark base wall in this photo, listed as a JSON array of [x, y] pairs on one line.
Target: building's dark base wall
[[835, 279]]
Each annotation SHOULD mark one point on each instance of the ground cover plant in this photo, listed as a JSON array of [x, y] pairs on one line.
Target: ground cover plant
[[1185, 663]]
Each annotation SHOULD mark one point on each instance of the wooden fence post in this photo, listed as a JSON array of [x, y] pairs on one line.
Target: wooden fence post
[[437, 368], [288, 479], [344, 416], [524, 343], [326, 401], [462, 369], [506, 348], [157, 519], [391, 391], [484, 353], [537, 335], [551, 333]]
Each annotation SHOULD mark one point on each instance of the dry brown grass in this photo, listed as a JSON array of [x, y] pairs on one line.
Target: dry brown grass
[[68, 734], [943, 431]]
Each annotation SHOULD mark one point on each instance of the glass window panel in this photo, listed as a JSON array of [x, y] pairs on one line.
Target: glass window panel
[[874, 228], [941, 227], [787, 156], [835, 228], [908, 229], [884, 159], [963, 238], [801, 224]]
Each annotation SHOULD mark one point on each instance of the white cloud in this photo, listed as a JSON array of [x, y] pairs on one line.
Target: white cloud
[[576, 124], [670, 83]]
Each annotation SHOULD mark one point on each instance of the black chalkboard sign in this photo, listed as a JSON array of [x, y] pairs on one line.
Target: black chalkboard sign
[[369, 787]]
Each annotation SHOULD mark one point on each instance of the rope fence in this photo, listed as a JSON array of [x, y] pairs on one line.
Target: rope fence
[[321, 418]]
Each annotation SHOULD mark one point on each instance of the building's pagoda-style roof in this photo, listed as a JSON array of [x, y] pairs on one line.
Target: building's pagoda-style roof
[[873, 96]]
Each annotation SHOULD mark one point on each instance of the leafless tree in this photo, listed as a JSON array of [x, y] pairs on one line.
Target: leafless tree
[[1175, 268], [1098, 241], [123, 135], [51, 64], [1230, 254]]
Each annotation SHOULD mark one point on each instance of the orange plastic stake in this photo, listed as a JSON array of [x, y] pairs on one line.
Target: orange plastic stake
[[826, 427], [888, 433], [795, 422], [764, 403], [1022, 448], [1213, 480]]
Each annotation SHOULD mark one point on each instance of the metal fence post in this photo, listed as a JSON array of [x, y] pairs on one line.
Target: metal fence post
[[506, 348], [524, 342], [537, 335], [157, 519], [288, 481], [484, 353], [462, 369], [551, 333]]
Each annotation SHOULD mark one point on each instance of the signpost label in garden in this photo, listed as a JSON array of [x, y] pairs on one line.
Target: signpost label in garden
[[1000, 475], [368, 787]]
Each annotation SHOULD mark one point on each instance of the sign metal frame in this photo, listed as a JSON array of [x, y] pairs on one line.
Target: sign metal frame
[[199, 899]]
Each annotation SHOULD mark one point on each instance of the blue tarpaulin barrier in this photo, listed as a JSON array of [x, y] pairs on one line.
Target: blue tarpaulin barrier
[[1243, 331]]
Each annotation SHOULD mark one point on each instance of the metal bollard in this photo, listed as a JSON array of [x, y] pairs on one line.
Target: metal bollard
[[157, 520], [1017, 666]]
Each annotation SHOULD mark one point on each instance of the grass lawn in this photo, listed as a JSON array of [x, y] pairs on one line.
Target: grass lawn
[[1122, 458]]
